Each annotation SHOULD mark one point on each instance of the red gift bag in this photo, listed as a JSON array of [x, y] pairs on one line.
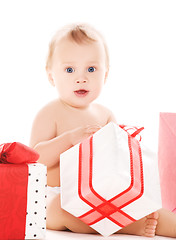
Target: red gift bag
[[167, 159]]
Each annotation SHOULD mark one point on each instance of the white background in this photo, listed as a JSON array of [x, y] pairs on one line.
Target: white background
[[141, 36]]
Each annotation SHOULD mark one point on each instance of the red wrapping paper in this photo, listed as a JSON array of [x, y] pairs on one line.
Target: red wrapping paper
[[13, 200]]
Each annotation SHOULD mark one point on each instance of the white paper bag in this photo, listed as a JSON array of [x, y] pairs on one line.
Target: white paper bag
[[109, 180]]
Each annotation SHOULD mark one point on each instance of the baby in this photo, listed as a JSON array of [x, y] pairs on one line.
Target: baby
[[78, 65]]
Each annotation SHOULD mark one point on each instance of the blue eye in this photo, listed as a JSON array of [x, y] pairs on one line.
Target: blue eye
[[91, 69], [69, 70]]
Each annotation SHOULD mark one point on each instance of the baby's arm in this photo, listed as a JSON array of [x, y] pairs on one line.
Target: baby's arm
[[111, 117], [45, 141]]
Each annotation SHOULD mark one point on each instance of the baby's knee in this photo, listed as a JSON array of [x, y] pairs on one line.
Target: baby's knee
[[54, 206], [54, 214]]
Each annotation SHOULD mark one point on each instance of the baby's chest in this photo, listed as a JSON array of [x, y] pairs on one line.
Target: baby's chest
[[73, 121]]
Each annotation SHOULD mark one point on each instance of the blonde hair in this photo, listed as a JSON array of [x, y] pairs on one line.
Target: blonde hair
[[79, 33]]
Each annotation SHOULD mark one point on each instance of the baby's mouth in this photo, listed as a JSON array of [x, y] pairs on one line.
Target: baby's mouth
[[81, 92]]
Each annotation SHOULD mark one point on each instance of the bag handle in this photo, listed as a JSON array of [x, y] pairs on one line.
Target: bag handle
[[135, 130]]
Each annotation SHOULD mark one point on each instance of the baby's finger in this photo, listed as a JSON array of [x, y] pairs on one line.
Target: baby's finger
[[93, 129], [93, 126]]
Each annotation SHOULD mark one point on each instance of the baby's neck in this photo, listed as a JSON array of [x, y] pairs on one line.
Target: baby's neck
[[74, 108]]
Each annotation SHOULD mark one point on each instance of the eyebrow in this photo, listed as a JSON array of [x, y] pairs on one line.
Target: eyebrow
[[67, 62], [70, 63]]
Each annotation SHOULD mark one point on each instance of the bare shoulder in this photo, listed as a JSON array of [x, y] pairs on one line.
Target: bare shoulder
[[48, 112], [44, 126], [104, 111], [49, 108]]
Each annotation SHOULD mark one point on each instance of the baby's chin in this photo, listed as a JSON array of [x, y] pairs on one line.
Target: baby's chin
[[76, 105]]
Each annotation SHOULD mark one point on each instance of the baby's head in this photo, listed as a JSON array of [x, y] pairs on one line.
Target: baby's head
[[78, 64], [78, 33]]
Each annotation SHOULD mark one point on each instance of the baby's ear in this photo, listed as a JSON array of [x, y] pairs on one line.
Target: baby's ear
[[50, 76], [106, 75]]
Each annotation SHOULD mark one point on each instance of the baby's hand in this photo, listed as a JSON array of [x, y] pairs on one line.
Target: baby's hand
[[79, 134]]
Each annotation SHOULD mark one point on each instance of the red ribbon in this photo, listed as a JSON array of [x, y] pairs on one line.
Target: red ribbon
[[112, 208], [13, 200], [133, 131]]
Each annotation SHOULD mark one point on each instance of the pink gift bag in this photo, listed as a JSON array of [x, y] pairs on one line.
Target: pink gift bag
[[110, 180], [167, 159]]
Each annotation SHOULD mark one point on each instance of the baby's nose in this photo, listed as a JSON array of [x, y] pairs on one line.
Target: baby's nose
[[81, 81]]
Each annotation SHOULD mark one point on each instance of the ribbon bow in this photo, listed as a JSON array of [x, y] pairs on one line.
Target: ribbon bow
[[16, 152]]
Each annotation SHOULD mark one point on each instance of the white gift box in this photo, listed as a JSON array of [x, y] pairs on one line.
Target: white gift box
[[36, 202], [109, 180]]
